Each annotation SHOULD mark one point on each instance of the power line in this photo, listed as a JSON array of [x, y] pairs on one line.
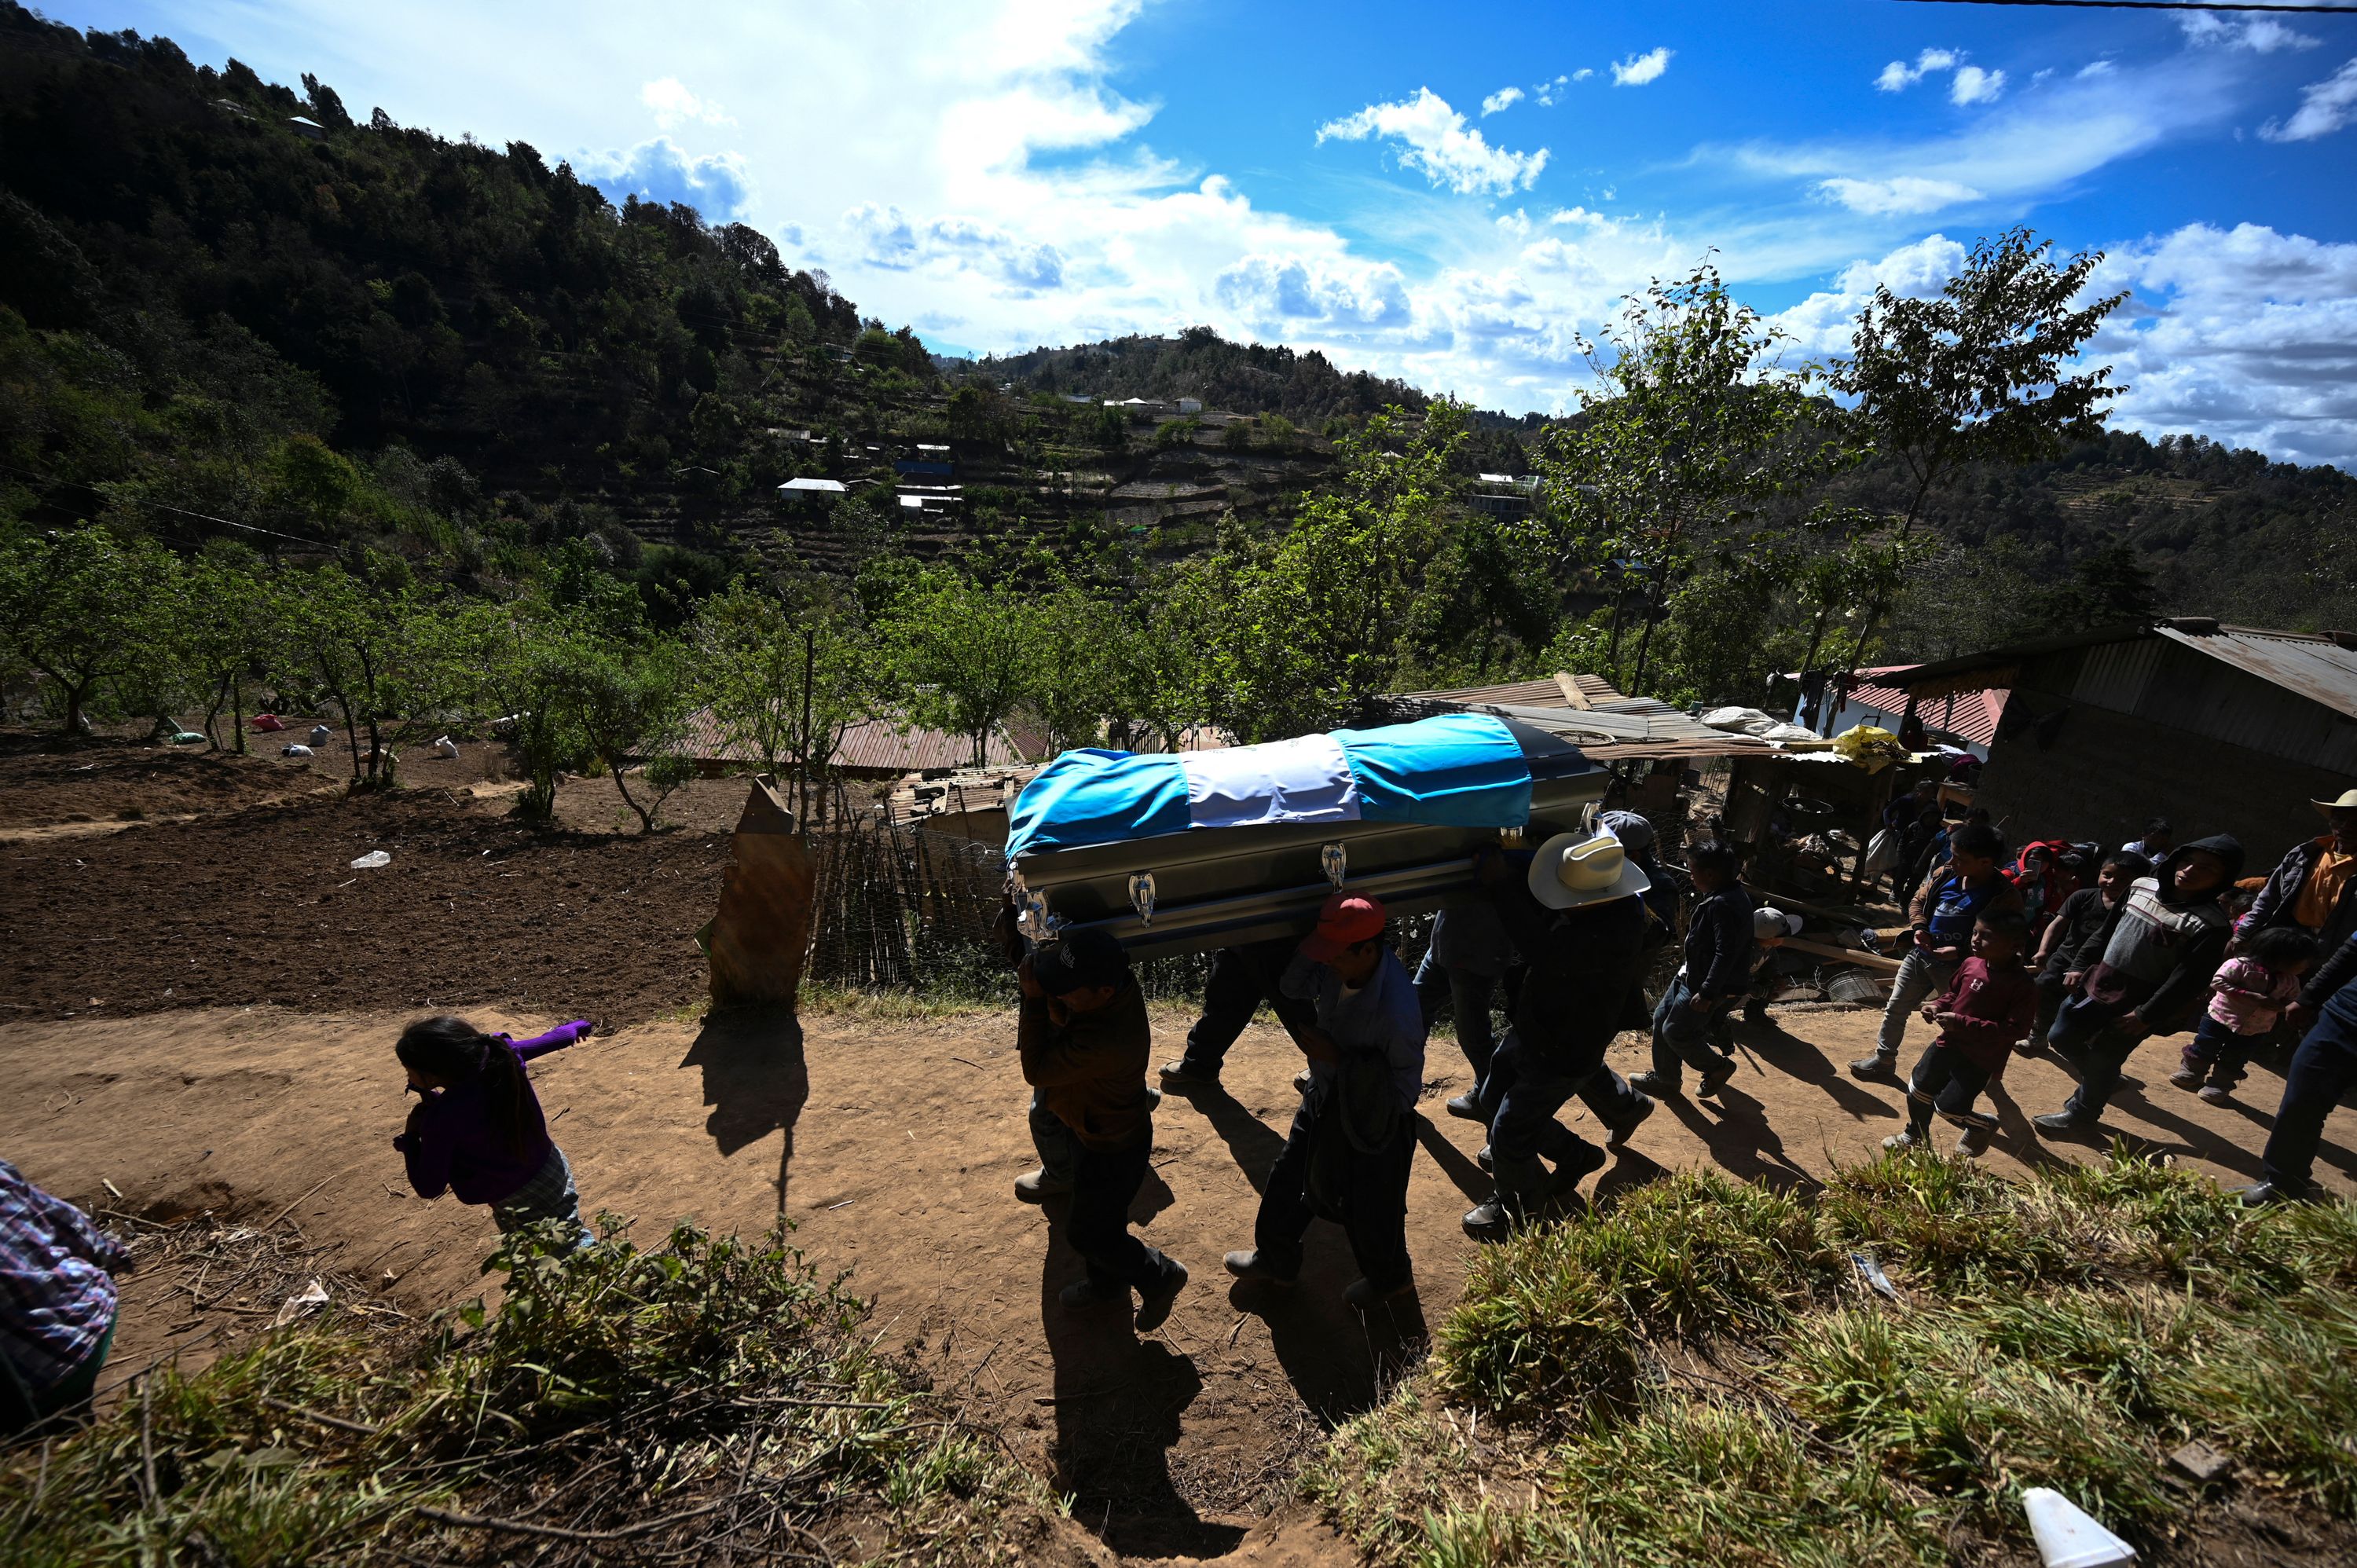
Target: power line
[[159, 506]]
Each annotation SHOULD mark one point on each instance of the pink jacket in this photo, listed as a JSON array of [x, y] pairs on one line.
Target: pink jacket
[[2249, 997]]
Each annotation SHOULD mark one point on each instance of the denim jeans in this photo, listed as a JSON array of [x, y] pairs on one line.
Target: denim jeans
[[1103, 1183], [1375, 1213], [2218, 1053], [2322, 1070], [2099, 1058], [1921, 976], [1241, 980], [1468, 995], [1682, 1035]]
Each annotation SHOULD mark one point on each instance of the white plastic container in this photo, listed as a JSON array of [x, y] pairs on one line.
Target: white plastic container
[[2068, 1537], [373, 860]]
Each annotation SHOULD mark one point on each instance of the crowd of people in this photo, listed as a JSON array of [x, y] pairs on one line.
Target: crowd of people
[[2059, 947], [2062, 947]]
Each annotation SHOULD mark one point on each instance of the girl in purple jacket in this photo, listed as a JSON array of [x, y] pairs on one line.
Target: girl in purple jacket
[[477, 1128]]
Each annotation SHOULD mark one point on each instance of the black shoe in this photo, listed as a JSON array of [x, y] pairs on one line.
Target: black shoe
[[2064, 1125], [1657, 1087], [1083, 1295], [1756, 1015], [1365, 1295], [1249, 1265], [2267, 1195], [1715, 1081], [1628, 1124], [1489, 1220], [1038, 1187], [1467, 1107], [1183, 1074], [1570, 1172], [1483, 1159], [1154, 1306]]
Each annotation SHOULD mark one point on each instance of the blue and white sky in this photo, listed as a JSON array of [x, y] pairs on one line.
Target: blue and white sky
[[1448, 194]]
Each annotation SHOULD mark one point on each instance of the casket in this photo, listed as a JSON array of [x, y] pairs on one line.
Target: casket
[[1204, 850]]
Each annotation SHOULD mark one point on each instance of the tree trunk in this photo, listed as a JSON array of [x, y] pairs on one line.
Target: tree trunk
[[237, 710], [1808, 661], [646, 818], [212, 712]]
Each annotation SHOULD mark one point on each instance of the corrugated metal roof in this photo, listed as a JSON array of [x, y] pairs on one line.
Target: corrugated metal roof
[[1968, 715], [1545, 694], [2318, 667], [1611, 728], [871, 745]]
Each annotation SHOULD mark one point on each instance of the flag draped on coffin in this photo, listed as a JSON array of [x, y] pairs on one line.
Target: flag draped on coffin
[[1457, 770]]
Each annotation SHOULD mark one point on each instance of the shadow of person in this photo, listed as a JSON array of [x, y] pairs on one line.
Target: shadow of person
[[1742, 1143], [2262, 1123], [1117, 1403], [1630, 1171], [1466, 1175], [2017, 1136], [1251, 1141], [754, 1079], [2194, 1138], [1771, 1047]]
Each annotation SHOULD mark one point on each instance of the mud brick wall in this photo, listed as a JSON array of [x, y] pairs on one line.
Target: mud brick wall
[[2107, 772]]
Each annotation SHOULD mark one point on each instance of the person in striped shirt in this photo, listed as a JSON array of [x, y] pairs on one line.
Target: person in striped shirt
[[56, 1302]]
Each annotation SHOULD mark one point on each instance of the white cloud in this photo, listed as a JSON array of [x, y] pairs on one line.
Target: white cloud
[[1583, 73], [1505, 97], [2246, 335], [2259, 35], [1434, 138], [1282, 294], [1898, 194], [888, 238], [1974, 85], [2096, 68], [2324, 107], [674, 105], [1898, 76], [718, 186], [1639, 69]]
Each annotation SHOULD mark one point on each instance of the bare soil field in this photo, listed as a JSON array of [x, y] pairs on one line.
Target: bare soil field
[[240, 1062]]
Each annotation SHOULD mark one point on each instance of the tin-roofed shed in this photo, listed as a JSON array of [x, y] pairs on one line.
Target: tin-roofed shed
[[2218, 728]]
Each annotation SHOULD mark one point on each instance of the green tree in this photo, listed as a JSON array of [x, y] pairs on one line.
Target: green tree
[[1692, 429], [231, 621], [1978, 374], [962, 652], [83, 609], [392, 663], [629, 701], [784, 682]]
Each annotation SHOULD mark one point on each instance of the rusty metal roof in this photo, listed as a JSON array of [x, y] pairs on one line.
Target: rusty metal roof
[[2323, 669]]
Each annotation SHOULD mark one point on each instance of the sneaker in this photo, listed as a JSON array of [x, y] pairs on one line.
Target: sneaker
[[1365, 1295], [2187, 1077], [1183, 1074], [1301, 1082], [1083, 1295], [2265, 1195], [1973, 1143], [1489, 1220], [1038, 1187], [1904, 1139], [2064, 1125], [1659, 1088], [2216, 1094], [1878, 1068], [1248, 1264], [1628, 1124], [1467, 1107], [1485, 1161], [1715, 1081], [1154, 1306]]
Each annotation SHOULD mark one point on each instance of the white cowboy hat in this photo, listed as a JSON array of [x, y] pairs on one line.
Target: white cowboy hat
[[2347, 800], [1572, 869]]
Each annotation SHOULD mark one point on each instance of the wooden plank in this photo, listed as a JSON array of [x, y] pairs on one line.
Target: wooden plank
[[1571, 692], [1857, 956]]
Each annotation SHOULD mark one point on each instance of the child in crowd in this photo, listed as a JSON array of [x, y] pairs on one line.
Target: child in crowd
[[1085, 1040], [1714, 978], [1771, 930], [477, 1129], [1953, 897], [2066, 951], [2249, 994], [1988, 1007]]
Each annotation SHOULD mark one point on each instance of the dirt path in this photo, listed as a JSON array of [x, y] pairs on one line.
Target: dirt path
[[891, 1146]]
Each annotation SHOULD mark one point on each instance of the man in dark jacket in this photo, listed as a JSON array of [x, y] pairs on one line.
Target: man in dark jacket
[[2159, 948], [2315, 886], [2068, 949], [1715, 975], [2322, 1070], [1083, 1035], [1575, 914]]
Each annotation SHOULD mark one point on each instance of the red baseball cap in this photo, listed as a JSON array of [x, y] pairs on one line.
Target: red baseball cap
[[1346, 920]]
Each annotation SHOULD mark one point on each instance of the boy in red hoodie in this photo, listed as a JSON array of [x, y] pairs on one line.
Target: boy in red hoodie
[[1988, 1005]]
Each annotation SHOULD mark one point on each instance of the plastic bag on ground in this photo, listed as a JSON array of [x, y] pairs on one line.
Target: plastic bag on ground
[[445, 746], [373, 860], [297, 749]]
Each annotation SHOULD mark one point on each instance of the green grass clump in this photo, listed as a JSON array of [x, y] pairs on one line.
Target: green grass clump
[[1700, 1375], [1558, 1314], [712, 1387]]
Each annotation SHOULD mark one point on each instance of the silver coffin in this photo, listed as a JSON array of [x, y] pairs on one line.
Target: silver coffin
[[1220, 886]]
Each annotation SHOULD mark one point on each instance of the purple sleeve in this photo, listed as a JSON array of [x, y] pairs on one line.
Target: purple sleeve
[[556, 1039]]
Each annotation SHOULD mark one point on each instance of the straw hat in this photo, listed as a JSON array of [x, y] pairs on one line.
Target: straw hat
[[2346, 802], [1572, 869]]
